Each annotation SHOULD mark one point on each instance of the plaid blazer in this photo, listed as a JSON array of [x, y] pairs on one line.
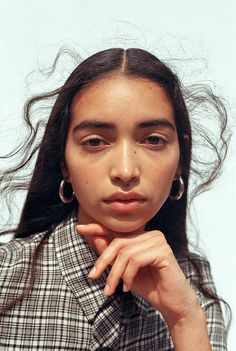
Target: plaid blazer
[[65, 310]]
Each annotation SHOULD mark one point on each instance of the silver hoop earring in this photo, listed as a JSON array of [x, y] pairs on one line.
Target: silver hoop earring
[[180, 190], [64, 199]]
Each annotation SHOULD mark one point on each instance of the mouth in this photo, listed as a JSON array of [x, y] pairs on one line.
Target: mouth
[[126, 206], [125, 200]]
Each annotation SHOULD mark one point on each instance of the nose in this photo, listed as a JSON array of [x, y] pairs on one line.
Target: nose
[[125, 168]]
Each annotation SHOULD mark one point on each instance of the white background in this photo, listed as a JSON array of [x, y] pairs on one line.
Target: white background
[[31, 32]]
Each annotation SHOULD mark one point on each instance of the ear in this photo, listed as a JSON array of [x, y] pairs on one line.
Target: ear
[[179, 168], [64, 170]]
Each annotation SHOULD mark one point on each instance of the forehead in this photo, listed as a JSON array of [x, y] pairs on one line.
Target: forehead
[[119, 98]]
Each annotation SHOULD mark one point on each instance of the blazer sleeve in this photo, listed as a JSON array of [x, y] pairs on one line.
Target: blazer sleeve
[[212, 308]]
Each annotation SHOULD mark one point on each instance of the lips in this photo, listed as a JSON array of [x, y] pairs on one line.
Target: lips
[[125, 202], [125, 197]]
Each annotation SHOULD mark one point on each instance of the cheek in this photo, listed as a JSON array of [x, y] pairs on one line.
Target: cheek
[[78, 175], [165, 169], [163, 175], [84, 187], [83, 180]]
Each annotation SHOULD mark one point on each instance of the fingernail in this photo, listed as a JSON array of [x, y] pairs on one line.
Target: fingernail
[[106, 290], [92, 272], [125, 288]]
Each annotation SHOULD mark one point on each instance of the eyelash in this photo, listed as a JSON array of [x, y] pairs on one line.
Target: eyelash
[[85, 143]]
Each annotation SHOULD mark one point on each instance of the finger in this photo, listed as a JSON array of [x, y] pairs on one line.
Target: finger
[[92, 229], [107, 257], [101, 243], [116, 273], [155, 256], [126, 256], [134, 265], [99, 238], [109, 254]]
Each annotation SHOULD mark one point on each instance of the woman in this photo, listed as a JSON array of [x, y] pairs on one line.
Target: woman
[[100, 259]]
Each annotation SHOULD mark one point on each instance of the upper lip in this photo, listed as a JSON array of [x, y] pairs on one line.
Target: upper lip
[[125, 196]]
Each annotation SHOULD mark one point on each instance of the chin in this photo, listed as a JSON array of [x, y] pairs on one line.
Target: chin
[[125, 227]]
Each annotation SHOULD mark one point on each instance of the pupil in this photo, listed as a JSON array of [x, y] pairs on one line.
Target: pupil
[[94, 142], [154, 139]]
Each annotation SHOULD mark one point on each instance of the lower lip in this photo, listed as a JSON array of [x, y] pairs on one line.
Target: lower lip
[[125, 206]]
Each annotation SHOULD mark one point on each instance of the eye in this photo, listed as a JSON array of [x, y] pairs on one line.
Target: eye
[[92, 142], [155, 140]]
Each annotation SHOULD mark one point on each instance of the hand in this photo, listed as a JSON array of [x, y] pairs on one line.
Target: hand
[[147, 266]]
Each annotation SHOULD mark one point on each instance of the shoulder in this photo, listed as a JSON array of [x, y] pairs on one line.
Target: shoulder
[[16, 258], [194, 265], [17, 251], [197, 270]]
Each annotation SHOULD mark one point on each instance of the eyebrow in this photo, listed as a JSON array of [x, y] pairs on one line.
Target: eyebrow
[[96, 124]]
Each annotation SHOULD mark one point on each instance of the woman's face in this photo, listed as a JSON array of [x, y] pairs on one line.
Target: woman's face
[[122, 142]]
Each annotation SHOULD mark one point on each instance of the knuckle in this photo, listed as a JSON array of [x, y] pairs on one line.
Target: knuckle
[[169, 251], [161, 235], [124, 253], [117, 243], [128, 278], [134, 260], [102, 261], [111, 277]]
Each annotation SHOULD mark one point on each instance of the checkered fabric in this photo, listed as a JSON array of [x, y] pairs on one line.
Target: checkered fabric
[[65, 310]]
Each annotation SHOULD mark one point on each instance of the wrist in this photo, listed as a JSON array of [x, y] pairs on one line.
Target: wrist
[[193, 317], [180, 316], [190, 332]]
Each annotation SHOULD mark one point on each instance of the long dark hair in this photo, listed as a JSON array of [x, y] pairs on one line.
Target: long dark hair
[[43, 209]]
